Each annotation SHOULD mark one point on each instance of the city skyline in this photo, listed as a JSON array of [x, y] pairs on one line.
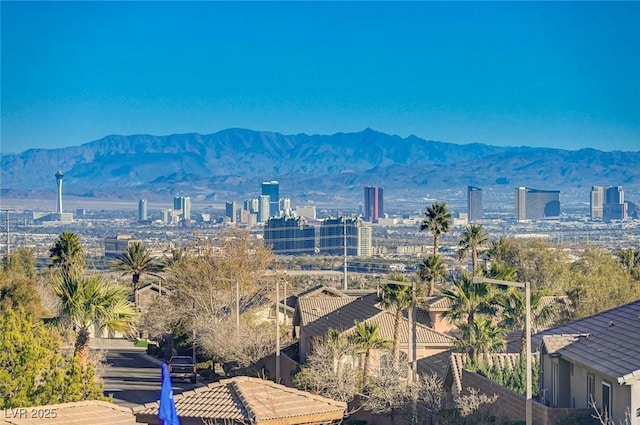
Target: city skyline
[[497, 73]]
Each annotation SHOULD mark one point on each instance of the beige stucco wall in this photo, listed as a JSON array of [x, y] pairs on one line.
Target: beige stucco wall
[[621, 394]]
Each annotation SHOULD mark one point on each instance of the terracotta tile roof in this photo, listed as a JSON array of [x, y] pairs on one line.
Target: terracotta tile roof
[[613, 335], [424, 334], [88, 412], [311, 309], [437, 303], [435, 364], [251, 400]]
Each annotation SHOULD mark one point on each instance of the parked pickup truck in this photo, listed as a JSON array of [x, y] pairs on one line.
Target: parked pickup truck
[[182, 367]]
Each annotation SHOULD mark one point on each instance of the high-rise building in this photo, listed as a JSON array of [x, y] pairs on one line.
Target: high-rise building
[[142, 210], [231, 211], [264, 208], [272, 190], [352, 232], [373, 204], [290, 235], [614, 206], [308, 211], [252, 205], [596, 202], [474, 204], [534, 204], [58, 215], [285, 206], [182, 208]]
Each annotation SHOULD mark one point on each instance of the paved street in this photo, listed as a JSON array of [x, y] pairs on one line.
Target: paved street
[[134, 379]]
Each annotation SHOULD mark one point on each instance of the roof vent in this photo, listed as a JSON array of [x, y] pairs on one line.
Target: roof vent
[[611, 323]]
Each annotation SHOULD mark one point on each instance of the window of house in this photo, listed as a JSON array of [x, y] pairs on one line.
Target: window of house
[[606, 401], [591, 389]]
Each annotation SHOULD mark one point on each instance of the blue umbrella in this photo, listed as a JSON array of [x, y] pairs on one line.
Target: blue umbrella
[[167, 411]]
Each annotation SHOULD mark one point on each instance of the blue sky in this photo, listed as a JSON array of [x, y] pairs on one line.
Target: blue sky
[[557, 74]]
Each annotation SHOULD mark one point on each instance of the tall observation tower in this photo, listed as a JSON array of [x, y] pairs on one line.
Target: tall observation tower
[[59, 176]]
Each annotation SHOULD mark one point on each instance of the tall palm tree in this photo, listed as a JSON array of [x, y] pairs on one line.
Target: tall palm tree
[[367, 338], [396, 298], [90, 302], [467, 299], [176, 256], [438, 221], [481, 335], [430, 270], [135, 261], [512, 305], [67, 252], [473, 238]]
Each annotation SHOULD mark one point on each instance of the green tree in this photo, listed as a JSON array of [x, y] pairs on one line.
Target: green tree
[[480, 335], [33, 371], [437, 220], [599, 283], [467, 299], [21, 261], [535, 261], [396, 298], [19, 291], [67, 252], [366, 338], [431, 270], [90, 303], [473, 238], [630, 261], [137, 260]]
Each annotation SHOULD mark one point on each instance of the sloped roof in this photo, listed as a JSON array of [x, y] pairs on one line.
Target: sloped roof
[[435, 364], [90, 412], [437, 303], [614, 337], [340, 318], [251, 401], [311, 309], [424, 334]]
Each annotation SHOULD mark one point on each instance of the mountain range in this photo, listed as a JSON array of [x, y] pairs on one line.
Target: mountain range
[[231, 164]]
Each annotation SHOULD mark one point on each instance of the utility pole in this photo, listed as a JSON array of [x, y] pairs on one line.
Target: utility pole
[[277, 331], [344, 222], [237, 308]]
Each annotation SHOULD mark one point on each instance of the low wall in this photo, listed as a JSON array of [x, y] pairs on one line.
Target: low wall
[[512, 404]]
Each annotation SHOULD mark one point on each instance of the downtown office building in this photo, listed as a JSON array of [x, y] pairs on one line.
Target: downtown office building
[[474, 204], [535, 204]]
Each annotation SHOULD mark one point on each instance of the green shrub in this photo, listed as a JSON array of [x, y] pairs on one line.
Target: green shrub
[[576, 419]]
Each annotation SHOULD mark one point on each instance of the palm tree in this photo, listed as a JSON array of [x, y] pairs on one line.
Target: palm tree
[[467, 299], [396, 298], [473, 238], [176, 256], [512, 304], [367, 338], [431, 270], [90, 302], [501, 272], [67, 252], [481, 335], [437, 220], [135, 261], [339, 346]]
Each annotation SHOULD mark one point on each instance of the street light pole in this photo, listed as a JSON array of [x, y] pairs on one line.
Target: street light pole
[[277, 331], [527, 295]]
